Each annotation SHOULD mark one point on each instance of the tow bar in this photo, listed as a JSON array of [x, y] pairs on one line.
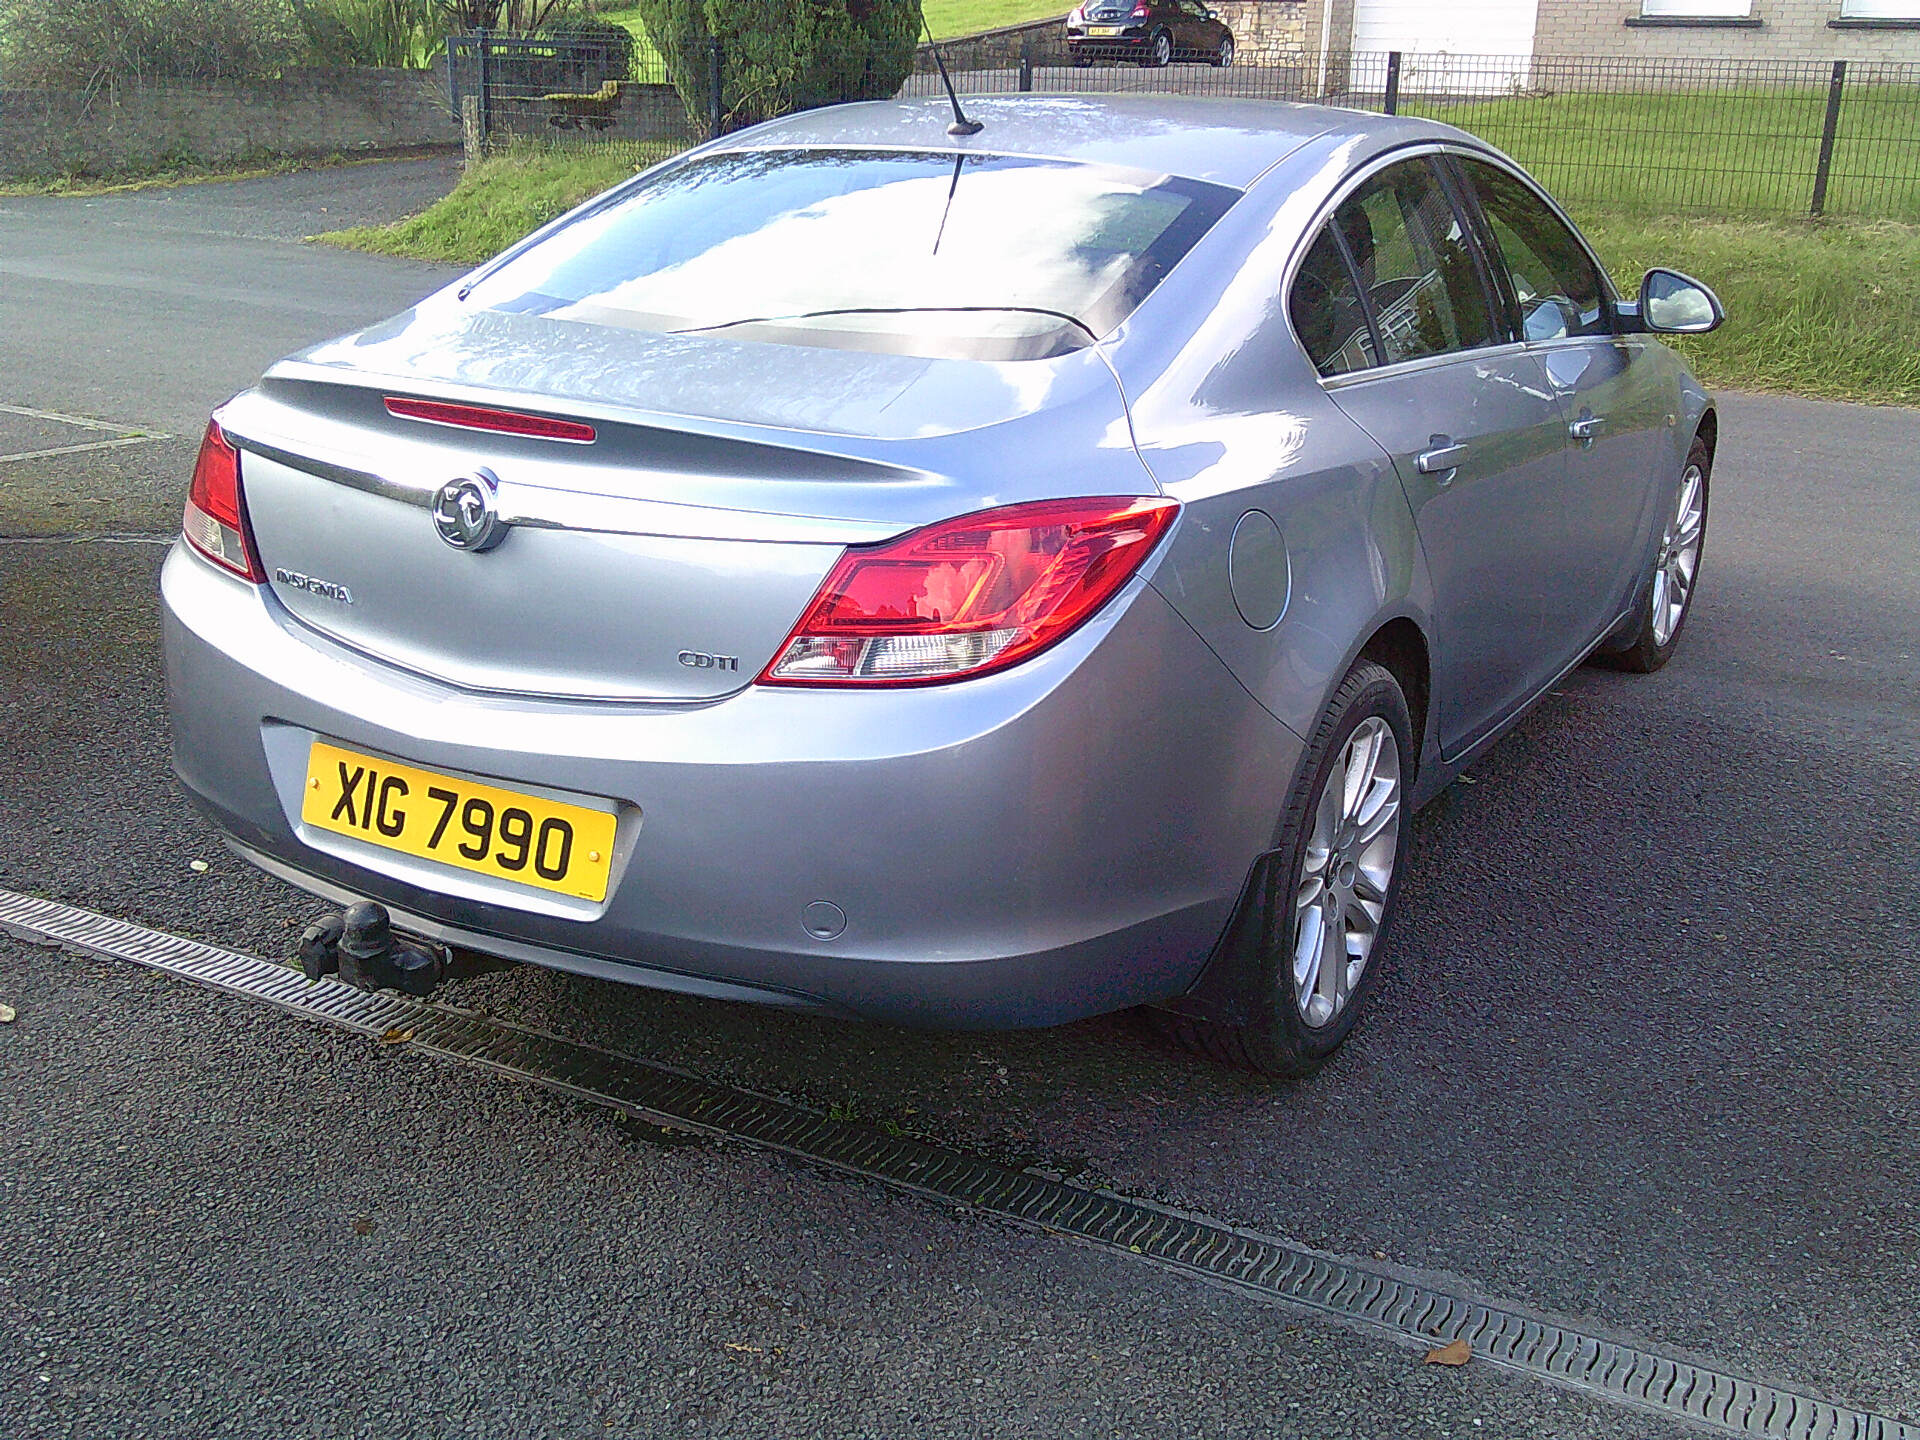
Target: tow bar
[[361, 947]]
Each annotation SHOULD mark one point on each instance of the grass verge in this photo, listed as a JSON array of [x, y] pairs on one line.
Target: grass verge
[[947, 18], [194, 172], [950, 18], [501, 200], [1826, 309], [1711, 151]]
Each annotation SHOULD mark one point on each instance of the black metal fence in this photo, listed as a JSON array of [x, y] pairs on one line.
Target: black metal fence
[[1719, 137], [602, 83], [1730, 137]]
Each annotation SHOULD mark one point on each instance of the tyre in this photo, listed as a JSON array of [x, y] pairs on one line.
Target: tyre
[[1666, 595], [1326, 900], [1224, 56], [1159, 52]]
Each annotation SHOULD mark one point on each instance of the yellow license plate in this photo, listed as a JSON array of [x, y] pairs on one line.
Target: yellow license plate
[[500, 833], [1105, 29]]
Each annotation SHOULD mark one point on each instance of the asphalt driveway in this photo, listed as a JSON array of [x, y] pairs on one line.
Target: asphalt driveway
[[1646, 1053]]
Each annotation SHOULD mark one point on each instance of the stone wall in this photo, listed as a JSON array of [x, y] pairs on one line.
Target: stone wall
[[1267, 32], [311, 111], [1000, 49]]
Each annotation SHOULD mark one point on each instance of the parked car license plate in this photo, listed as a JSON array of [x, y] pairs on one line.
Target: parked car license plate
[[1105, 29], [502, 833]]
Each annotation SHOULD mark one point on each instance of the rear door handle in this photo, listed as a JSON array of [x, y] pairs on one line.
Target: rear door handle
[[1586, 428], [1442, 459]]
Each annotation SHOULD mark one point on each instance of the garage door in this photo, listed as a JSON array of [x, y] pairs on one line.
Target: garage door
[[1458, 47]]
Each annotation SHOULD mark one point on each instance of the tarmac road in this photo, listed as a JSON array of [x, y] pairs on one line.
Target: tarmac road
[[149, 307], [1646, 1053]]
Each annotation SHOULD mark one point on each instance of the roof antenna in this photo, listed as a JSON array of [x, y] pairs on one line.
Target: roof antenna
[[961, 124]]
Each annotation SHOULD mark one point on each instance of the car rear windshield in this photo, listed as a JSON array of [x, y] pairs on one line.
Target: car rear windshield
[[987, 257]]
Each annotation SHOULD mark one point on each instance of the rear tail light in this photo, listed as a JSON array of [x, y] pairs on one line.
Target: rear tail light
[[969, 595], [1141, 12], [215, 523]]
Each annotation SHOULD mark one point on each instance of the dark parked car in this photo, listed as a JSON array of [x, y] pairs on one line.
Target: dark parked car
[[1150, 32]]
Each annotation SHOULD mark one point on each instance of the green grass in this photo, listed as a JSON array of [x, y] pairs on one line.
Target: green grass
[[647, 64], [503, 199], [168, 173], [1724, 152], [947, 17], [1826, 309]]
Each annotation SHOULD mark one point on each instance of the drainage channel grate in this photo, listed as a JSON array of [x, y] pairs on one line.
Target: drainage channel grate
[[1268, 1267]]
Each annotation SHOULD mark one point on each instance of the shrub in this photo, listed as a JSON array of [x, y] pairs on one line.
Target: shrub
[[611, 47], [411, 32], [520, 16], [371, 32], [782, 55], [88, 43]]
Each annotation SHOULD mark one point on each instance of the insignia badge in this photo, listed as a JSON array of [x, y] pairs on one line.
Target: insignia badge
[[466, 512]]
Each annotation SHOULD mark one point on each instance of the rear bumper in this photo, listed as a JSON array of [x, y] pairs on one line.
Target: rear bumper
[[1108, 46], [1059, 840]]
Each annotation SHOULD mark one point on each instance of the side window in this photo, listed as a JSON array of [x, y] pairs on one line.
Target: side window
[[1327, 313], [1558, 290], [1415, 263]]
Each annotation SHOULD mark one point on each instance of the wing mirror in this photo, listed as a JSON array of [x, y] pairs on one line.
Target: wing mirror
[[1674, 304]]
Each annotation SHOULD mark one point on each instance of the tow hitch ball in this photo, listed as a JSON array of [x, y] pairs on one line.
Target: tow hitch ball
[[360, 945]]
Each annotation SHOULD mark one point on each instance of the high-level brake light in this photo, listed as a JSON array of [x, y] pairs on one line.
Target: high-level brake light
[[486, 417], [970, 595]]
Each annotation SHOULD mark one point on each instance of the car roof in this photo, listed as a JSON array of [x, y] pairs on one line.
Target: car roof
[[1228, 142]]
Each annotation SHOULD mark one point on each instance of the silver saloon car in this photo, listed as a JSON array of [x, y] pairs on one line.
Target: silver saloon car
[[972, 581]]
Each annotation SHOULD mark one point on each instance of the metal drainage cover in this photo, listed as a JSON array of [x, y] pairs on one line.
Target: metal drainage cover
[[1263, 1265]]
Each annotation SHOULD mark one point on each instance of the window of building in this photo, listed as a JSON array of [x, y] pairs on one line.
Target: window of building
[[1880, 9], [1697, 9]]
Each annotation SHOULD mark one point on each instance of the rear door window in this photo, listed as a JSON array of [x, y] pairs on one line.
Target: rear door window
[[1417, 271], [1328, 314]]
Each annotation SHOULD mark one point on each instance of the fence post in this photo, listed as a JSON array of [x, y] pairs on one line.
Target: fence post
[[1391, 105], [1026, 65], [715, 116], [1824, 172], [473, 143], [484, 84]]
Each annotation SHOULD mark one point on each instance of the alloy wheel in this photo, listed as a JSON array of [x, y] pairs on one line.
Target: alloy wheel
[[1346, 872], [1679, 556], [1226, 53]]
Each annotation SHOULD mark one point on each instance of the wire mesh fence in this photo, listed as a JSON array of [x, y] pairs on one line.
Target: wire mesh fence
[[602, 84], [1730, 137], [1683, 136], [1693, 136]]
